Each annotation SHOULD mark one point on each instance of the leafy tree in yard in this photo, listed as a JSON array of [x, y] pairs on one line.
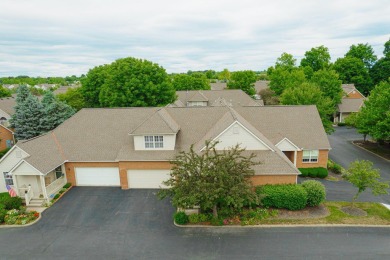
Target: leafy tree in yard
[[244, 80], [73, 97], [361, 175], [282, 79], [190, 82], [55, 112], [92, 84], [381, 70], [224, 75], [136, 83], [329, 83], [386, 51], [364, 52], [310, 94], [269, 97], [317, 58], [286, 61], [374, 117], [211, 179], [4, 92], [352, 70]]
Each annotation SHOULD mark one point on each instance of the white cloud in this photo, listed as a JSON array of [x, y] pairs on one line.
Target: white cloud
[[51, 38]]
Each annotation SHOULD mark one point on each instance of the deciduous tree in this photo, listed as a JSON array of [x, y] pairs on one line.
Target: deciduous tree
[[329, 83], [352, 70], [244, 80], [361, 175], [374, 116], [190, 82], [317, 58], [282, 79], [73, 97], [211, 179], [310, 94], [364, 52]]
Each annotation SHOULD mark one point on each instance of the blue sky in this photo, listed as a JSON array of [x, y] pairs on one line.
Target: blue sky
[[60, 38]]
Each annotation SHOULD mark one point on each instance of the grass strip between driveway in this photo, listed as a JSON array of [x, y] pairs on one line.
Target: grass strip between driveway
[[377, 214]]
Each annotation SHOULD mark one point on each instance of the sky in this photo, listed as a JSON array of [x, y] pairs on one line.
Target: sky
[[63, 38]]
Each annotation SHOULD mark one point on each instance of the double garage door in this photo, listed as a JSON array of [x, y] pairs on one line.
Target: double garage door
[[109, 176]]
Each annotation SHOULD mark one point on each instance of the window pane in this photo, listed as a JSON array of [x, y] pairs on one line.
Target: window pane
[[149, 141]]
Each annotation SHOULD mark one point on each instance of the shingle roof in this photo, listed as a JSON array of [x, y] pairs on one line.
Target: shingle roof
[[102, 134], [347, 88], [7, 104], [261, 84], [218, 86], [159, 123], [350, 105], [232, 97]]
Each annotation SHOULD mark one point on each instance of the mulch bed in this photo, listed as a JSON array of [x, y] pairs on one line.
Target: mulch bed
[[308, 212], [382, 150], [356, 212]]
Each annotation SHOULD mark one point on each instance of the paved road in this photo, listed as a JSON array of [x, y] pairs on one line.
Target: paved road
[[344, 152], [108, 223]]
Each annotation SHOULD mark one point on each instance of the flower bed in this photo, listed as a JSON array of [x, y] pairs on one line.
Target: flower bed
[[20, 216]]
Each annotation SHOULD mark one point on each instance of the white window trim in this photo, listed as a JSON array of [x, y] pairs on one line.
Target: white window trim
[[311, 160], [8, 178], [154, 141]]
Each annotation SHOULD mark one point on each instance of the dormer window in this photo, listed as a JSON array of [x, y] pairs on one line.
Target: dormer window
[[154, 141]]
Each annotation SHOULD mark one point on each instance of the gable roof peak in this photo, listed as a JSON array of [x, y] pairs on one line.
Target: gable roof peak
[[159, 122]]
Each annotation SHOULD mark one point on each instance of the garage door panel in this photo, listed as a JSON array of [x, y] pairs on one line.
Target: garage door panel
[[147, 179], [97, 176]]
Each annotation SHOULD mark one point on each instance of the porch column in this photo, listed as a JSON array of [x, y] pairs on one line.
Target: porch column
[[43, 188], [16, 188], [295, 158], [340, 118]]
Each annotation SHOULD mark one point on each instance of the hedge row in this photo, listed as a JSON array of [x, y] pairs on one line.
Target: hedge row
[[318, 172], [292, 196]]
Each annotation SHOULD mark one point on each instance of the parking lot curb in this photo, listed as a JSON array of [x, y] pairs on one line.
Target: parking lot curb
[[353, 142]]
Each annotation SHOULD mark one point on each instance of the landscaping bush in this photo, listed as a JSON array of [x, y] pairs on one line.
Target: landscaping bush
[[67, 186], [315, 192], [56, 196], [283, 196], [62, 190], [341, 124], [334, 167], [11, 202], [2, 206], [181, 218], [314, 172], [3, 212], [216, 221], [197, 218], [19, 217]]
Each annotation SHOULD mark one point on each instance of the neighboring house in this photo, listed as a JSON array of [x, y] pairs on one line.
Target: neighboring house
[[11, 86], [214, 98], [261, 85], [218, 86], [351, 102], [45, 86], [7, 105], [132, 147], [7, 139]]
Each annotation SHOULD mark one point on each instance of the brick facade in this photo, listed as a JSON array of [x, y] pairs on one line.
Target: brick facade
[[5, 134], [322, 160], [273, 179]]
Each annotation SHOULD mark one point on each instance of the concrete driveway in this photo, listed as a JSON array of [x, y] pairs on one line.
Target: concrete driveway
[[109, 223], [344, 152]]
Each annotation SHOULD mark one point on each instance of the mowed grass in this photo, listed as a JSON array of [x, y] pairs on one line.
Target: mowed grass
[[377, 214]]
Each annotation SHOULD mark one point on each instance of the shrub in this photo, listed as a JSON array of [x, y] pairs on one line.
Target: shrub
[[217, 221], [2, 206], [283, 196], [341, 124], [181, 218], [3, 212], [67, 186], [315, 192], [11, 202], [197, 218], [314, 172], [56, 196], [334, 167]]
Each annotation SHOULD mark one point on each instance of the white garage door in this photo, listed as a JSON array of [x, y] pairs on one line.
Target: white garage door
[[97, 176], [147, 179]]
